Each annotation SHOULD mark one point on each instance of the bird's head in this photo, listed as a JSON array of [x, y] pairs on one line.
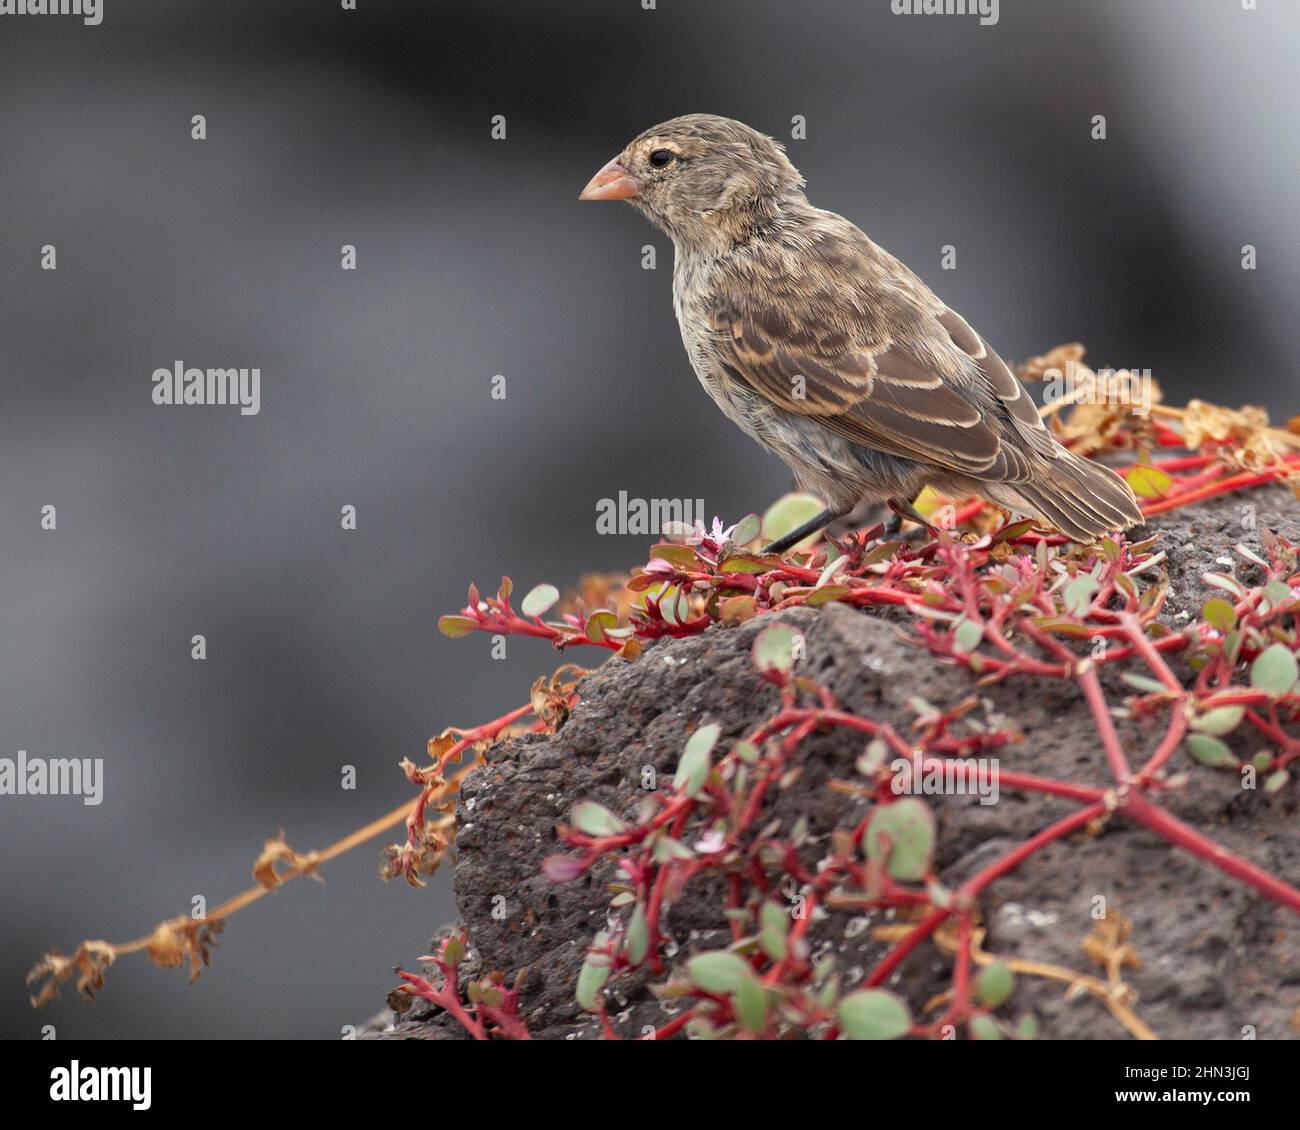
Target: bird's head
[[699, 177]]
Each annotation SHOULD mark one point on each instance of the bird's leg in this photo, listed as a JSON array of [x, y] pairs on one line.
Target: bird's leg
[[905, 510], [794, 537]]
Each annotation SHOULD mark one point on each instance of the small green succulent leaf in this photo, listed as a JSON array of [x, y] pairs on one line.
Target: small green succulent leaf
[[907, 827], [539, 600], [873, 1014]]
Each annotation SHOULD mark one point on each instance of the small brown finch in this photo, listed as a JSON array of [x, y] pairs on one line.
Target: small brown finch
[[832, 354]]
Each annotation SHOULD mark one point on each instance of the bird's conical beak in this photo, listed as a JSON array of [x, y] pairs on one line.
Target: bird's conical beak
[[613, 182]]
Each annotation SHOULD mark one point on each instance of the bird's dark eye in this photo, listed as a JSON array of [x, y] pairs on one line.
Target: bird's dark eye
[[660, 157]]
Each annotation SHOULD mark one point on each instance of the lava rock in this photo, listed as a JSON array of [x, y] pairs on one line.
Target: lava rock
[[1216, 959]]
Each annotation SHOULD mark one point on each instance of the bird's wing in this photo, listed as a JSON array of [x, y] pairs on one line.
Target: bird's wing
[[862, 345]]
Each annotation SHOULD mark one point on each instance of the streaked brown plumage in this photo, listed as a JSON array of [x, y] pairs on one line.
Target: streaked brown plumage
[[830, 352]]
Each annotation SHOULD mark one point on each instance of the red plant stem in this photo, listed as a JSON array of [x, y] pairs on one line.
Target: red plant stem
[[673, 1026], [1167, 436], [969, 511], [755, 801], [1091, 686], [1180, 835], [1244, 697], [657, 895], [1024, 664], [448, 998], [960, 1004], [1168, 747], [1175, 642], [1142, 645], [481, 733], [894, 958], [1029, 782], [1016, 857], [1290, 746], [509, 1023], [1223, 486], [1178, 720]]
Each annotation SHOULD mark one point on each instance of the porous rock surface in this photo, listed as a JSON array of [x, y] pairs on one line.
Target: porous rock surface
[[1217, 958]]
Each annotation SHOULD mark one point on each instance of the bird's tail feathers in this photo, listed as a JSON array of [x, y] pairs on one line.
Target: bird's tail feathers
[[1082, 499]]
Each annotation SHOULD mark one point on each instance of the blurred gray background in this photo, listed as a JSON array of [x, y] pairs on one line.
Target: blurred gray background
[[328, 127]]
